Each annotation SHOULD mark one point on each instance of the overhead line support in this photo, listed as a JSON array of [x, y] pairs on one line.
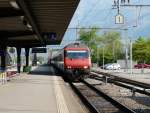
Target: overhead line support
[[135, 5], [102, 28]]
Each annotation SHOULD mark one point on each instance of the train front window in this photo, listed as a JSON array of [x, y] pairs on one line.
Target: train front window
[[77, 54]]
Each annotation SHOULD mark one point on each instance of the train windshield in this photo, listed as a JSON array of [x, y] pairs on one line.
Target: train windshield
[[77, 54]]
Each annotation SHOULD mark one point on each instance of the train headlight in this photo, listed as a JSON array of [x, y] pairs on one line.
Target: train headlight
[[85, 67], [69, 67]]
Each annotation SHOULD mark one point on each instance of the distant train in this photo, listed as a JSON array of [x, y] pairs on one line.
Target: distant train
[[74, 59]]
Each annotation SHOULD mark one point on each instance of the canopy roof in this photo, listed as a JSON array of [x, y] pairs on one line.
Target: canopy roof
[[31, 23]]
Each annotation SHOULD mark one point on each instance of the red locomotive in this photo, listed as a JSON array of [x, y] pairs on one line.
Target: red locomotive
[[75, 59]]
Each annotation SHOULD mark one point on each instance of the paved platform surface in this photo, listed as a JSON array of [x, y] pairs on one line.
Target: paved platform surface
[[136, 75], [37, 93]]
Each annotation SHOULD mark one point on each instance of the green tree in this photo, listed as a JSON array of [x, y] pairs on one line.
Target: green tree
[[148, 50], [112, 45], [90, 37], [141, 50], [110, 42]]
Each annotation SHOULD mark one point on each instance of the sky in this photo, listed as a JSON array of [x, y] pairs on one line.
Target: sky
[[100, 13]]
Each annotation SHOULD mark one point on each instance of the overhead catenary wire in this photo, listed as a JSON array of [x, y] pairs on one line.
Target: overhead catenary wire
[[139, 16], [106, 16], [139, 4], [93, 7], [138, 13], [127, 25]]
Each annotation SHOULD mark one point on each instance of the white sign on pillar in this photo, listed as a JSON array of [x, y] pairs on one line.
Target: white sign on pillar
[[119, 19]]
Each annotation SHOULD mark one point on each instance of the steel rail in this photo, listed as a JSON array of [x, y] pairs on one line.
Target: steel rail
[[121, 84], [132, 88], [89, 105], [125, 80], [110, 99], [86, 102]]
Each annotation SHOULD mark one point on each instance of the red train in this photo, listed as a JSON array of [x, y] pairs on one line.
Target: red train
[[75, 59]]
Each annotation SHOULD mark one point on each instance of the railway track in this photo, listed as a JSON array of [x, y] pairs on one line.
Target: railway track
[[97, 101], [132, 85], [125, 80]]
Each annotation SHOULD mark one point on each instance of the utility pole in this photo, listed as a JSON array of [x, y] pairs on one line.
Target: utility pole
[[131, 60], [103, 58], [97, 56], [113, 52], [126, 51], [98, 52], [126, 59], [77, 35]]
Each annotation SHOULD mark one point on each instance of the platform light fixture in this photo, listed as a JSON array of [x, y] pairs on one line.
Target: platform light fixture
[[14, 4], [29, 26], [25, 22]]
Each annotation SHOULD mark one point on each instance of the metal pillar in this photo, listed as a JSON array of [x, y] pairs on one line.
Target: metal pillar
[[3, 57], [34, 62], [18, 59], [27, 56]]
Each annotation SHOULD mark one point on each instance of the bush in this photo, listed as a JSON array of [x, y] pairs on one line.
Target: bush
[[26, 68]]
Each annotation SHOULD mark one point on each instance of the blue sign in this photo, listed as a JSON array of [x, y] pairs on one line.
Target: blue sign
[[39, 50], [2, 69]]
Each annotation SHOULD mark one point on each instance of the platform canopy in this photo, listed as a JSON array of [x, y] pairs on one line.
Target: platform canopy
[[31, 23]]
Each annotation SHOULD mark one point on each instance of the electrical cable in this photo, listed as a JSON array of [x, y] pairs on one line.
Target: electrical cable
[[132, 21], [93, 7]]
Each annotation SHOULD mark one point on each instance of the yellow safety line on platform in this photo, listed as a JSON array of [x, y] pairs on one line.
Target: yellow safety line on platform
[[60, 100]]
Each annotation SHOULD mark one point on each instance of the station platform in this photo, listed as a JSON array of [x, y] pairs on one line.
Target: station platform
[[135, 75], [41, 91]]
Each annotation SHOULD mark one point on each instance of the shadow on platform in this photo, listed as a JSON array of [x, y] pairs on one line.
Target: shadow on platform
[[44, 70]]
